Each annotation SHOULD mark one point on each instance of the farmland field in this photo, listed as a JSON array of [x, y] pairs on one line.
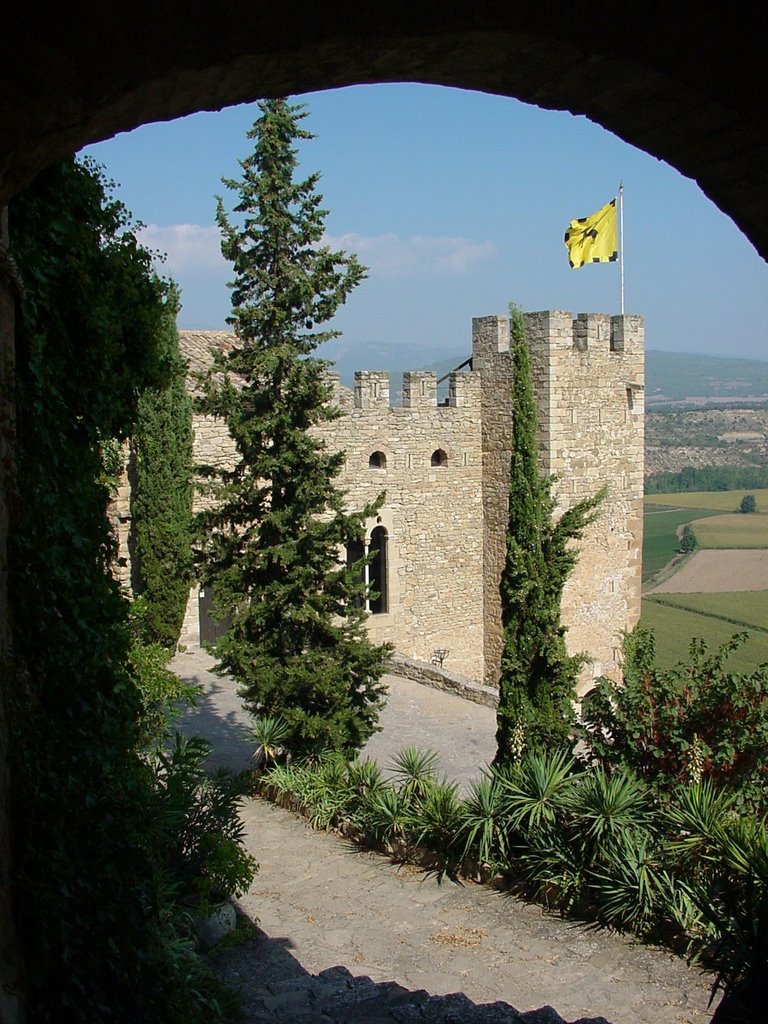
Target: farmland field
[[674, 629], [719, 501], [720, 590], [660, 541], [742, 610], [716, 571], [734, 530]]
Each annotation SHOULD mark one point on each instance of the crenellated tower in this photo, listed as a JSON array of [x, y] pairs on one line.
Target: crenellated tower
[[589, 378]]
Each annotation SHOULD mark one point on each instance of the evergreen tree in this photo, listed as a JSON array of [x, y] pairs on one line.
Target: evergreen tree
[[270, 544], [162, 496], [538, 677]]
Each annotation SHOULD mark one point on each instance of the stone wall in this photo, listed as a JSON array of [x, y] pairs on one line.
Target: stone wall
[[433, 513], [492, 359]]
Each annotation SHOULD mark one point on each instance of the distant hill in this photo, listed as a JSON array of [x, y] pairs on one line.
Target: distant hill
[[669, 376], [679, 376]]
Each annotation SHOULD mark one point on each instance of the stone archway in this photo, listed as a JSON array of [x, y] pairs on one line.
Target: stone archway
[[684, 82], [681, 81]]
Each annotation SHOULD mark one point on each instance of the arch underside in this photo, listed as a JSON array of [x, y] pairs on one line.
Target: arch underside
[[682, 82]]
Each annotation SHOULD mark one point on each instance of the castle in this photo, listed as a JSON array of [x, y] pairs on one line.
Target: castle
[[438, 541]]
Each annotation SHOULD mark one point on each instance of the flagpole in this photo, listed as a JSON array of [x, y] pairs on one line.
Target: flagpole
[[621, 243]]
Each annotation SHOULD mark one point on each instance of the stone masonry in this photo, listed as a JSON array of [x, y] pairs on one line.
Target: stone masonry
[[444, 470]]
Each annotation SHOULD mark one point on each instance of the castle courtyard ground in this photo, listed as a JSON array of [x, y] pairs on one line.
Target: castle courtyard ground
[[390, 939]]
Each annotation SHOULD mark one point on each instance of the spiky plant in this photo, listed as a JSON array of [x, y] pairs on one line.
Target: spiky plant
[[606, 807], [631, 888], [435, 821], [484, 833], [415, 769], [538, 788], [270, 733], [385, 815]]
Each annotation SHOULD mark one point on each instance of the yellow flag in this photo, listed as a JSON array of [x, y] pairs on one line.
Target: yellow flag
[[593, 239]]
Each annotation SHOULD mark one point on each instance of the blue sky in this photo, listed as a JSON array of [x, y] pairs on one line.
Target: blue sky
[[457, 201]]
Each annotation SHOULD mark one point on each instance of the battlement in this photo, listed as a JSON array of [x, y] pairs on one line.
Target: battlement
[[372, 390], [587, 332], [558, 330]]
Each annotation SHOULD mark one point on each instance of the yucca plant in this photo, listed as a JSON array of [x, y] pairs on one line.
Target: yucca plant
[[695, 819], [435, 821], [537, 788], [606, 809], [735, 907], [363, 779], [484, 829], [270, 733], [415, 769], [552, 864], [631, 888], [385, 815]]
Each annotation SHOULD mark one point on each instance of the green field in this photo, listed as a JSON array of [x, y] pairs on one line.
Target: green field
[[675, 627], [743, 610], [719, 501], [660, 542], [664, 513], [734, 530]]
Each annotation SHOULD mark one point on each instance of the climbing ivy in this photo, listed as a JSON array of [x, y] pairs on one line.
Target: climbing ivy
[[85, 816]]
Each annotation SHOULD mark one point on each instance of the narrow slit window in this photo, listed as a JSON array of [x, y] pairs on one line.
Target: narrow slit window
[[378, 572]]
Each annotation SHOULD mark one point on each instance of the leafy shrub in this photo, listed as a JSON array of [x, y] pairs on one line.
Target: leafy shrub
[[161, 692], [199, 830], [693, 721]]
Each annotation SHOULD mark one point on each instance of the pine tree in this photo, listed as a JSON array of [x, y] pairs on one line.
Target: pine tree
[[538, 677], [297, 644], [162, 497]]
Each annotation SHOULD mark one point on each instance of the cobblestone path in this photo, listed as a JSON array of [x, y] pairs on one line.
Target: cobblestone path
[[344, 936]]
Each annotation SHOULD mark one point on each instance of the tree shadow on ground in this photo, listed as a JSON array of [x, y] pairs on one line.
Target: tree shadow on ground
[[218, 716], [275, 986]]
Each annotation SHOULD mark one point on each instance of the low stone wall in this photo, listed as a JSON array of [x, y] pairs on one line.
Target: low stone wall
[[440, 679]]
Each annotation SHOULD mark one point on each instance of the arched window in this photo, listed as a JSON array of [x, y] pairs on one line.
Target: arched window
[[377, 460], [377, 572], [439, 458]]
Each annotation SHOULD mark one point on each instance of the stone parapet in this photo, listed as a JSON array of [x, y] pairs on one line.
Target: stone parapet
[[440, 679]]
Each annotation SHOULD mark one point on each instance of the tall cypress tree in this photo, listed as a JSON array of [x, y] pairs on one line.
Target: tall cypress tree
[[538, 677], [162, 497], [297, 643]]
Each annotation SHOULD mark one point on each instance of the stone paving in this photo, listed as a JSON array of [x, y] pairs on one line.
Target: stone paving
[[346, 936]]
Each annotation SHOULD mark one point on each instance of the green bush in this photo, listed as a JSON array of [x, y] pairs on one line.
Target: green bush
[[691, 722], [688, 541], [682, 865], [199, 832]]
